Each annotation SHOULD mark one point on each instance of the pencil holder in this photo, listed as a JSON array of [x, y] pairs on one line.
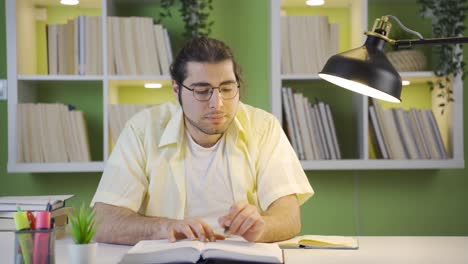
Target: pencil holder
[[35, 246]]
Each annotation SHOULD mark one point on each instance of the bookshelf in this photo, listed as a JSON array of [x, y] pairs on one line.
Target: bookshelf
[[351, 109], [29, 81]]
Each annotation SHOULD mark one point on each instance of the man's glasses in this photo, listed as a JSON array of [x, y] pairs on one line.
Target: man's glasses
[[203, 92]]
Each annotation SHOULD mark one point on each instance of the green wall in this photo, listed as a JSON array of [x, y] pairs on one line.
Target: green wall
[[392, 202]]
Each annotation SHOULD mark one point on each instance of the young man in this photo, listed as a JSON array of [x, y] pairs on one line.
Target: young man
[[206, 166]]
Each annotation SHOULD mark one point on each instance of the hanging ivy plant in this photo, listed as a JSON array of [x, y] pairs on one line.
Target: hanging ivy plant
[[194, 13], [448, 19]]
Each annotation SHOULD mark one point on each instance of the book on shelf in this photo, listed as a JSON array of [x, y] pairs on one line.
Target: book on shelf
[[331, 122], [306, 43], [310, 128], [404, 134], [226, 251], [411, 134], [436, 134], [51, 133], [288, 119], [305, 133], [318, 133], [33, 203], [320, 242], [376, 134], [75, 47]]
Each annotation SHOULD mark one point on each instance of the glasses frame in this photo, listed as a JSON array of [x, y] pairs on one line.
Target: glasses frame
[[212, 90]]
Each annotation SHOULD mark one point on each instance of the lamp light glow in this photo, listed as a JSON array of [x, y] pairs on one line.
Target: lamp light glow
[[405, 82], [69, 2], [315, 2], [153, 85], [359, 88]]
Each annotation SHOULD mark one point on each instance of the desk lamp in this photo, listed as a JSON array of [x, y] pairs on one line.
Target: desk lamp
[[367, 70]]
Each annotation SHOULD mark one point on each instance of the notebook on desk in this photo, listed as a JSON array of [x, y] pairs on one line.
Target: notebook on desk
[[232, 250], [320, 242]]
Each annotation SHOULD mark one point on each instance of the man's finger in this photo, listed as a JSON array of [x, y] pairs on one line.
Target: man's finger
[[239, 220], [219, 236], [208, 231], [235, 210], [247, 225], [187, 231], [198, 229], [171, 235]]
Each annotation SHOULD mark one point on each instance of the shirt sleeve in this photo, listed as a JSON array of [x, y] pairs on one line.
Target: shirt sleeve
[[279, 171], [124, 182]]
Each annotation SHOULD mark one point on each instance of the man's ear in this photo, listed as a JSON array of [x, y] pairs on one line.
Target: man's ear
[[175, 89]]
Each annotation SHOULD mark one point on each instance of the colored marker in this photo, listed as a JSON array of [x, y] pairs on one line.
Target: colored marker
[[41, 238], [24, 237]]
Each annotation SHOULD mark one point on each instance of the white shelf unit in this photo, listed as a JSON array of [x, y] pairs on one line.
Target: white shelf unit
[[358, 21], [18, 83]]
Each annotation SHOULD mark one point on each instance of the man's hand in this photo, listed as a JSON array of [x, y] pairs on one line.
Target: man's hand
[[244, 220], [193, 229]]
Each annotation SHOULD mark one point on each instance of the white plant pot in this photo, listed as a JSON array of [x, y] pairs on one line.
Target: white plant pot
[[82, 253]]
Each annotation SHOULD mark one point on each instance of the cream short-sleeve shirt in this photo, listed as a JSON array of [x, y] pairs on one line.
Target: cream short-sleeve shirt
[[145, 171]]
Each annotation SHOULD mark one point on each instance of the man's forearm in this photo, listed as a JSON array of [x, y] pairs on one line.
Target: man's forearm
[[122, 226], [282, 220]]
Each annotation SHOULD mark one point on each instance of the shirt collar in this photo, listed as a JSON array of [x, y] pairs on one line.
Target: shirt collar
[[174, 130]]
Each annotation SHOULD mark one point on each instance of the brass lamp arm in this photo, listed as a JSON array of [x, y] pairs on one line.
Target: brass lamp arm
[[382, 26]]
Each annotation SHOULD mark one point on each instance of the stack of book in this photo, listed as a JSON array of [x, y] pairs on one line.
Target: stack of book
[[310, 128], [137, 47], [59, 213], [401, 134], [51, 133], [306, 43]]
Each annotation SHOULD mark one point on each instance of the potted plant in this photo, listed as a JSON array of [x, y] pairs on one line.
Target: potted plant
[[447, 20], [194, 13], [83, 229]]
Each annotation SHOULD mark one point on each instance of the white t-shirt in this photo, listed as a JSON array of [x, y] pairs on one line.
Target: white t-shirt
[[209, 190]]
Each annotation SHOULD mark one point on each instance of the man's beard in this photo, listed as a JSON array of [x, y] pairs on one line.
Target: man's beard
[[208, 131]]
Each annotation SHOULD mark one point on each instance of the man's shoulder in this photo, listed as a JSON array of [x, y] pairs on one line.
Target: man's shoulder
[[254, 118], [253, 114], [158, 114]]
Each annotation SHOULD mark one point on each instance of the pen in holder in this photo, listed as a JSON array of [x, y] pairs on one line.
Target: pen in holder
[[35, 246], [41, 239]]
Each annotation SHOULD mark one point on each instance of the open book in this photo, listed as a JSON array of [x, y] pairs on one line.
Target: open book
[[231, 250], [316, 241]]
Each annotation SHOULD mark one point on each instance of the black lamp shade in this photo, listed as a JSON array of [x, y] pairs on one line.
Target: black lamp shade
[[365, 70]]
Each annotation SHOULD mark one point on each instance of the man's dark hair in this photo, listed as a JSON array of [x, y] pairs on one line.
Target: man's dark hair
[[204, 50]]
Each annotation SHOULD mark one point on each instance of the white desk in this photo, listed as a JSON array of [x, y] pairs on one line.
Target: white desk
[[424, 250]]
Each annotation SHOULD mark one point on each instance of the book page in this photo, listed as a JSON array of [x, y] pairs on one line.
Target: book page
[[163, 251], [241, 250]]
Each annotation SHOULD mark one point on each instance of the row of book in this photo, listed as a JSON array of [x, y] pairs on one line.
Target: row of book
[[310, 127], [401, 134], [306, 43], [51, 133], [119, 114], [137, 47], [75, 47]]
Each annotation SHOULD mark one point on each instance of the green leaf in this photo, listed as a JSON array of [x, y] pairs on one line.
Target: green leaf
[[82, 224]]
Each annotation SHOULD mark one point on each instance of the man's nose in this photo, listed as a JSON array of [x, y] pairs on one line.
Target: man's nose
[[216, 101]]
